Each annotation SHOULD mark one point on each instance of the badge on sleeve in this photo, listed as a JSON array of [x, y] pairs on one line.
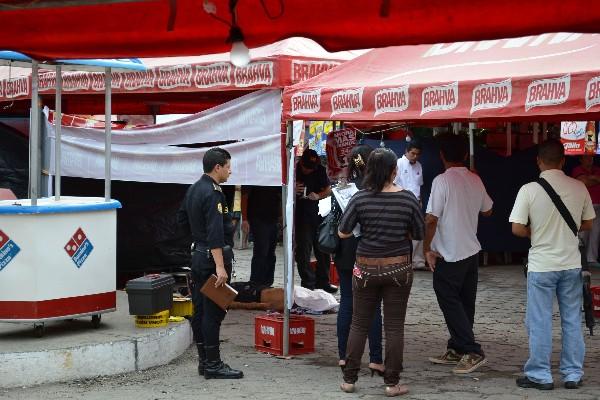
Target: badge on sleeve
[[220, 208]]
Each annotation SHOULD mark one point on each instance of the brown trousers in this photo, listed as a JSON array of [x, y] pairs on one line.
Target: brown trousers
[[374, 280]]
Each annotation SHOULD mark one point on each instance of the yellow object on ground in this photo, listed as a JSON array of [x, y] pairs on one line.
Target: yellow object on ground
[[152, 321], [182, 307]]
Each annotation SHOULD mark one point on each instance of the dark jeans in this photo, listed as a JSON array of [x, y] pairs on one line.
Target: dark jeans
[[390, 283], [207, 318], [262, 269], [306, 240], [344, 318], [455, 285]]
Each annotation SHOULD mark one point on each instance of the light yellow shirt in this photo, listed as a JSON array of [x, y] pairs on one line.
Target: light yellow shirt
[[554, 247]]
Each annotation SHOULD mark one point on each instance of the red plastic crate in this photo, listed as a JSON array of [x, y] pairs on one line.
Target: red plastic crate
[[596, 300], [268, 336], [334, 279]]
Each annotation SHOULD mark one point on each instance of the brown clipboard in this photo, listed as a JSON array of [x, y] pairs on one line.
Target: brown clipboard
[[222, 296]]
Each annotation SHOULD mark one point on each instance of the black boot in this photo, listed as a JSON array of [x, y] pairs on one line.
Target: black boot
[[217, 369], [201, 358]]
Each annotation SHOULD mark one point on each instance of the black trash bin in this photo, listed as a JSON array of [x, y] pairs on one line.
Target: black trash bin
[[150, 294]]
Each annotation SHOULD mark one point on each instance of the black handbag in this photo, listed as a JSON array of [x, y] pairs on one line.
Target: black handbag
[[328, 239]]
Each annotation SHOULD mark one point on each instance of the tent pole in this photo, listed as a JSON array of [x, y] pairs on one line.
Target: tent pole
[[57, 130], [509, 139], [544, 131], [536, 132], [107, 127], [288, 276], [34, 136], [472, 127]]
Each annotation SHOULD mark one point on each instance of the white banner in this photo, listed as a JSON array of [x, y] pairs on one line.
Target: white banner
[[254, 115], [156, 154]]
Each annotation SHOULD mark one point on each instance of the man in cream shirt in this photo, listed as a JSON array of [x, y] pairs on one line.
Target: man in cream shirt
[[554, 267], [410, 177]]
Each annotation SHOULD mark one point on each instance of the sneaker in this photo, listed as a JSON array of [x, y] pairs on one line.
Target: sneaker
[[450, 357], [573, 384], [469, 363], [525, 383]]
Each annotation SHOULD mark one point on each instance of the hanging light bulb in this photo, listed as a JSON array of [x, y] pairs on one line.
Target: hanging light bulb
[[239, 55]]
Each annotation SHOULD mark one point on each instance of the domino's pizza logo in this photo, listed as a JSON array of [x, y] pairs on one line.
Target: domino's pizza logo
[[8, 250], [79, 248]]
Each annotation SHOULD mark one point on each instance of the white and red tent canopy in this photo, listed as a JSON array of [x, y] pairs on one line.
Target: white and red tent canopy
[[180, 84], [549, 75]]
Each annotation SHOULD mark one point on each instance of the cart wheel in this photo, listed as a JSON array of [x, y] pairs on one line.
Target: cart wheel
[[96, 321], [38, 330]]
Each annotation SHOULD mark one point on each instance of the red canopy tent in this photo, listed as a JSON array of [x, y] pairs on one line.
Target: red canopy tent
[[47, 29], [549, 75], [176, 84]]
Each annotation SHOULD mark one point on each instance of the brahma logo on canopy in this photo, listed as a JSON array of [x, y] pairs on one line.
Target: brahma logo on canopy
[[217, 74], [255, 73], [16, 87], [491, 95], [439, 98], [346, 101], [134, 80], [79, 248], [308, 102], [391, 100], [176, 76], [303, 70], [592, 93], [548, 92], [8, 250]]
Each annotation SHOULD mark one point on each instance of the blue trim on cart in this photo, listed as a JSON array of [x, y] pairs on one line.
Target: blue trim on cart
[[60, 208]]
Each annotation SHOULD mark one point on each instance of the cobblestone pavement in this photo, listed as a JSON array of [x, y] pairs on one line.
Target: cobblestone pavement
[[499, 328]]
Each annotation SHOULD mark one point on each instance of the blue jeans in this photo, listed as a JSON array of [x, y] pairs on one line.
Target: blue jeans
[[344, 319], [541, 287]]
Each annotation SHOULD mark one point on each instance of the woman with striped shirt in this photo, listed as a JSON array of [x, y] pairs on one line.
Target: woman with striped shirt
[[389, 219]]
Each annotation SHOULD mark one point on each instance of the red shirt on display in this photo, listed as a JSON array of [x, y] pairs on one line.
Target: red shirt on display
[[594, 190]]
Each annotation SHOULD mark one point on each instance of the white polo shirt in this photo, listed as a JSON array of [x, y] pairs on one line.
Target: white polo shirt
[[457, 197], [554, 247], [410, 176]]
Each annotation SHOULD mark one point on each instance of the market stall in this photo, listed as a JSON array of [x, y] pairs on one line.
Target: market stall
[[63, 280]]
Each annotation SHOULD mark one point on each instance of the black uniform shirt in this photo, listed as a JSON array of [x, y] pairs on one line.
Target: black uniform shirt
[[315, 182], [204, 210]]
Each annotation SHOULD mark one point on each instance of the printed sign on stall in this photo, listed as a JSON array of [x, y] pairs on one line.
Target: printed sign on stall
[[79, 247], [578, 137], [339, 145], [8, 250]]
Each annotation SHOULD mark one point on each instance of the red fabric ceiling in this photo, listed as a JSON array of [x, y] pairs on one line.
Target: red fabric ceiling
[[48, 29]]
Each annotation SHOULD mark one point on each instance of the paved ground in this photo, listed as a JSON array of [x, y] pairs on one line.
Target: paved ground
[[499, 327]]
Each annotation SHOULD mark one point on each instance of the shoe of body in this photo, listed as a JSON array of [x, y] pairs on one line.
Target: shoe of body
[[469, 363], [573, 384], [525, 383], [348, 387], [221, 371], [396, 390], [328, 288], [450, 357]]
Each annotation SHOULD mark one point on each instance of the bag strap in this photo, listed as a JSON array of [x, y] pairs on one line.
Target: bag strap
[[562, 209]]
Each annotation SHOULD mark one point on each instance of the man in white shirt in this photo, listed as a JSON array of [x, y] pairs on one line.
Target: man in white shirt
[[554, 267], [410, 177], [452, 251]]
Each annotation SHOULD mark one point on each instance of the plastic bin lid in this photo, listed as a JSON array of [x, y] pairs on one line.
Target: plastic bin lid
[[149, 282]]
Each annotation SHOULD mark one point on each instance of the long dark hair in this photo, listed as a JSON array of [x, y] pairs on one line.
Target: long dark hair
[[357, 162], [380, 167]]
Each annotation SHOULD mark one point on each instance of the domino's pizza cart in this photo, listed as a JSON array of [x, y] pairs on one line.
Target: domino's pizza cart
[[57, 259], [58, 254]]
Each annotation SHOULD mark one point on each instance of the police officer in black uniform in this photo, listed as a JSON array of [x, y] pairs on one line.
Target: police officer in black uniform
[[204, 210]]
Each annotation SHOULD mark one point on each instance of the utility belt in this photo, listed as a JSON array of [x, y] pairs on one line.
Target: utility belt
[[228, 255]]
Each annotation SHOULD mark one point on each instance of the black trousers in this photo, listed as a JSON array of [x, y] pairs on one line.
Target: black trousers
[[306, 242], [262, 269], [455, 286], [207, 318]]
